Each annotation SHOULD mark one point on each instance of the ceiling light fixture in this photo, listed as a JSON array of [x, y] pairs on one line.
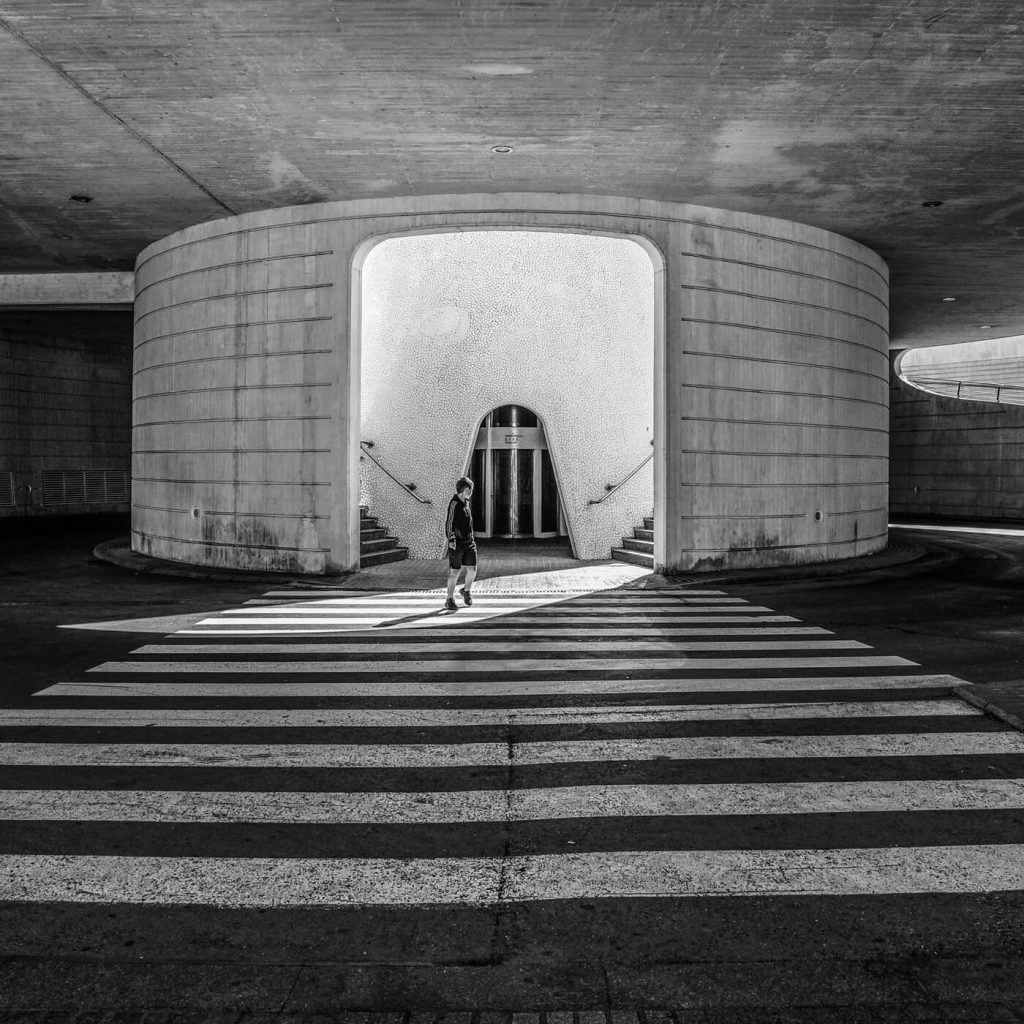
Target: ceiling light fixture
[[502, 149], [949, 298], [933, 202], [80, 199], [986, 327]]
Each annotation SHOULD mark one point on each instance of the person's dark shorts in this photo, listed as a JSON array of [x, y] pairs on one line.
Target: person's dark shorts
[[462, 554]]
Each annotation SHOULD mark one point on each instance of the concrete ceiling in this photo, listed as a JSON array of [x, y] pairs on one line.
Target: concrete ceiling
[[845, 114]]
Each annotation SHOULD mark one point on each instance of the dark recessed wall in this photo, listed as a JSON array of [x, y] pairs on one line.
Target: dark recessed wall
[[954, 459], [65, 412]]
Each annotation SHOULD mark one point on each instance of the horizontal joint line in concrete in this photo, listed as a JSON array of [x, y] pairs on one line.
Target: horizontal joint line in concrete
[[234, 295], [159, 508], [232, 327], [571, 215], [788, 394], [777, 455], [236, 387], [782, 301], [206, 480], [236, 357], [44, 367], [771, 423], [857, 512], [918, 445], [232, 264], [226, 544], [267, 515], [231, 451], [782, 330], [230, 419], [787, 270], [784, 362], [767, 515]]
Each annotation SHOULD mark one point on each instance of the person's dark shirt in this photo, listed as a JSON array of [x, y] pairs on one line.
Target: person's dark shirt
[[459, 521]]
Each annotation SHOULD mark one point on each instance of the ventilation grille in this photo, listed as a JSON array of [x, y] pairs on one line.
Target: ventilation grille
[[78, 487], [6, 489]]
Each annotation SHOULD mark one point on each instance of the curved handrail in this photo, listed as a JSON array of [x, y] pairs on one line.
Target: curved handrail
[[922, 383], [408, 488], [612, 488]]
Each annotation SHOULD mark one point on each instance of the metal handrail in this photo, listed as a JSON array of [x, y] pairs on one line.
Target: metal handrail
[[612, 488], [950, 381], [409, 489]]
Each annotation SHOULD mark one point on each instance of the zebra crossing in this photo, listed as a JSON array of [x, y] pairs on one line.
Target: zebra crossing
[[615, 744]]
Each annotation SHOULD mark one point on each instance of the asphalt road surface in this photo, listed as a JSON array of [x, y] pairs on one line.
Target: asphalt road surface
[[725, 802]]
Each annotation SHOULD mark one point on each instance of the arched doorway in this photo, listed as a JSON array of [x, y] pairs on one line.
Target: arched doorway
[[516, 494], [458, 327]]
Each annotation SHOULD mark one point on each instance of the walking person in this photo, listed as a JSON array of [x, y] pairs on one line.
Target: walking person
[[458, 528]]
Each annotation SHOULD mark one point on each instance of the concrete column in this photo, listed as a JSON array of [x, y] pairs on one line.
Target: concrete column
[[771, 382]]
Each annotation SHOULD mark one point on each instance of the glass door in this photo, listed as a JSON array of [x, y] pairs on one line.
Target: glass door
[[516, 493]]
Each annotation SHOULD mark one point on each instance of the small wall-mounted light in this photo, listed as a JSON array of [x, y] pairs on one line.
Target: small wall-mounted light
[[502, 149], [933, 202], [986, 327], [80, 199], [818, 515], [949, 298]]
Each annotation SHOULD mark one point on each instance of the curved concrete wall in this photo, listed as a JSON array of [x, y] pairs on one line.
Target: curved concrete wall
[[455, 325], [954, 458], [771, 380]]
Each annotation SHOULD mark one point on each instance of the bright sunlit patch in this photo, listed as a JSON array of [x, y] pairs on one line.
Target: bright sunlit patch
[[325, 611], [345, 611], [1019, 532], [161, 624]]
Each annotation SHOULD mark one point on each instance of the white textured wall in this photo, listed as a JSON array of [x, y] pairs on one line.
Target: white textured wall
[[456, 324]]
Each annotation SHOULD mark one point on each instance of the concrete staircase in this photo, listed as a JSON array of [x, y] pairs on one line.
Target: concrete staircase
[[375, 545], [638, 549]]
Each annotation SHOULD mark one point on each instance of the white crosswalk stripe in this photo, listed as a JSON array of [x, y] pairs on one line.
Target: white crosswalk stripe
[[669, 711], [500, 805], [495, 687], [452, 666], [285, 882], [448, 755], [280, 612], [304, 718]]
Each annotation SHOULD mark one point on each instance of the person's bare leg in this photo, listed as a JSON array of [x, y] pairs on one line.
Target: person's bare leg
[[453, 578], [470, 576]]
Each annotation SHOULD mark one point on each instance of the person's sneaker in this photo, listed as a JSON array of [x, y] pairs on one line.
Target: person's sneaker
[[450, 605], [466, 596]]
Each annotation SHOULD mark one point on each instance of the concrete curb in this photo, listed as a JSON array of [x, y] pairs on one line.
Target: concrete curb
[[969, 692], [118, 552], [895, 556]]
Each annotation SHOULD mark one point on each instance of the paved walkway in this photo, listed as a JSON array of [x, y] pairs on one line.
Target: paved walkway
[[352, 800], [504, 566]]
